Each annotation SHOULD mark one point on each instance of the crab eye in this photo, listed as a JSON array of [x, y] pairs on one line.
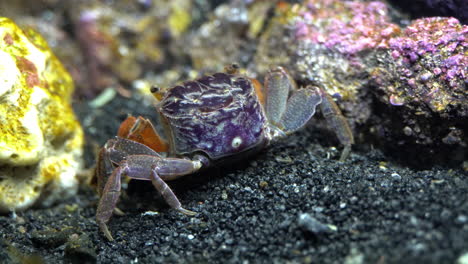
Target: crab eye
[[236, 142]]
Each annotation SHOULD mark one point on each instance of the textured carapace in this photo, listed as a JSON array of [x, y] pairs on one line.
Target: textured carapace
[[217, 114]]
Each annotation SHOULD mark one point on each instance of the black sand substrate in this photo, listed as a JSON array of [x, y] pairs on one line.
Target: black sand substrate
[[292, 203]]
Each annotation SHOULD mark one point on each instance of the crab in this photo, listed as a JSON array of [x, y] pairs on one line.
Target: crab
[[208, 121]]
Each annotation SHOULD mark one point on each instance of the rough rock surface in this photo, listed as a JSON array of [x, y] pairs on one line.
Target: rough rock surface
[[40, 138]]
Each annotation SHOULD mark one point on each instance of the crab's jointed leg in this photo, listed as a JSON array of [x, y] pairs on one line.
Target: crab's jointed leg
[[104, 169], [144, 166], [300, 108], [337, 122], [288, 108], [114, 151], [108, 201], [277, 87]]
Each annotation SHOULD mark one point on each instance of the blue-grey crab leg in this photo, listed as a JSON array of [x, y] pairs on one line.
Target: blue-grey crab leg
[[277, 83], [288, 108], [143, 167], [300, 108]]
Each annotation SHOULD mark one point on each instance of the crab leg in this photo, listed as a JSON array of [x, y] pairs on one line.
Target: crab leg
[[144, 167], [288, 108], [337, 122], [278, 83], [300, 108], [114, 152], [167, 194], [103, 169], [108, 201]]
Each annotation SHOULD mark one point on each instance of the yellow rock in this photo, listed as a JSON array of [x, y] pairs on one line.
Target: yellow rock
[[41, 141]]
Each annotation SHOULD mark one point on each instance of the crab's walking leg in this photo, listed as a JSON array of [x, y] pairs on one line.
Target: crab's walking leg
[[337, 122], [300, 108], [103, 169], [288, 108], [108, 201], [278, 83], [144, 167], [167, 194], [115, 151]]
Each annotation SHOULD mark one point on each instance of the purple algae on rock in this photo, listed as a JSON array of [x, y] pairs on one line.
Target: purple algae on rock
[[431, 60], [347, 27]]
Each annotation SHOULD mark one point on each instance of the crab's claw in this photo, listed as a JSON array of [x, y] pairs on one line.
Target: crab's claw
[[289, 108], [142, 131]]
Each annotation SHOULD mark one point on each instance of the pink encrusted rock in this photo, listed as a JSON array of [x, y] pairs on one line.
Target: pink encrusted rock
[[328, 33], [430, 35], [431, 61], [348, 27], [422, 79], [427, 60]]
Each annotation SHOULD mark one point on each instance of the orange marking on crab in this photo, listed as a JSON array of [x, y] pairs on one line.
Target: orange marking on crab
[[126, 126], [282, 6], [259, 90], [142, 131]]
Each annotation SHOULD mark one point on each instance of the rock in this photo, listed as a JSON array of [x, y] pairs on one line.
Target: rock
[[430, 67], [407, 84], [51, 238], [309, 223], [218, 41], [124, 41], [80, 249], [463, 259], [40, 138], [421, 81], [9, 253], [110, 44], [319, 35]]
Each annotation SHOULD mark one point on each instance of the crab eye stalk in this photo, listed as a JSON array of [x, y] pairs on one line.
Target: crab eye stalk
[[232, 69], [157, 92]]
